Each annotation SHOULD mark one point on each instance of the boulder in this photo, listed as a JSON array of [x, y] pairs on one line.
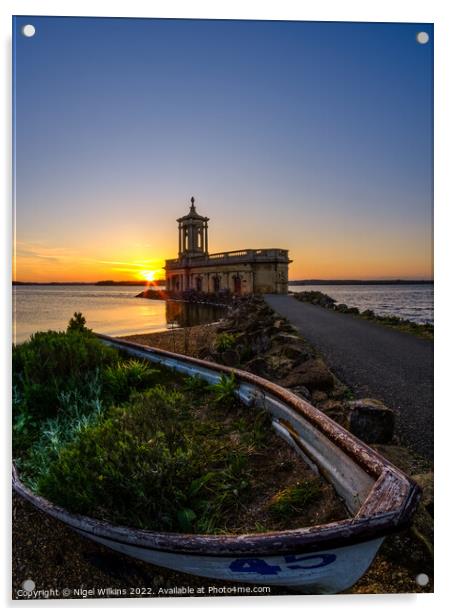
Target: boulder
[[425, 482], [318, 396], [302, 392], [295, 352], [334, 409], [313, 374], [258, 366], [280, 366], [230, 357], [370, 420]]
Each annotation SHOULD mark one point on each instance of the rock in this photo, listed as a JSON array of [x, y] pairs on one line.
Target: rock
[[341, 308], [315, 297], [369, 314], [425, 482], [280, 366], [283, 338], [353, 310], [203, 352], [302, 392], [334, 409], [313, 374], [230, 357], [370, 420], [408, 461], [318, 396], [258, 366], [295, 352]]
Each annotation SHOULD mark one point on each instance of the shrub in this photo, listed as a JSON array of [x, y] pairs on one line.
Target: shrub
[[123, 377], [52, 362], [225, 341], [146, 464], [68, 373], [195, 384], [77, 324]]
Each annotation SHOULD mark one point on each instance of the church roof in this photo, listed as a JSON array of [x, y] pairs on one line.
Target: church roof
[[192, 214]]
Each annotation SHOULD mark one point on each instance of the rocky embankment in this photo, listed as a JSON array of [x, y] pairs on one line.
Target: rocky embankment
[[221, 298], [253, 337], [317, 298]]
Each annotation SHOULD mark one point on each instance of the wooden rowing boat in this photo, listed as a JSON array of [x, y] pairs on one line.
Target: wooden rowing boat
[[326, 558]]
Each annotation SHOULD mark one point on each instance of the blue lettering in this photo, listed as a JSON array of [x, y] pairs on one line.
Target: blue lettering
[[326, 559], [253, 565]]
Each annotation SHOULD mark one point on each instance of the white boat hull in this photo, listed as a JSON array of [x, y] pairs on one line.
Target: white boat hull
[[322, 572]]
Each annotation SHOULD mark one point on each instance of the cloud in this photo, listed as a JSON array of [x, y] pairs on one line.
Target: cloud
[[26, 250]]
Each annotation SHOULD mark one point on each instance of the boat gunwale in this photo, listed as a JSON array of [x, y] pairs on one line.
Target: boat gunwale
[[378, 516]]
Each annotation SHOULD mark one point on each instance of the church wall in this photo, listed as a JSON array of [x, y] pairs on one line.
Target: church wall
[[254, 278]]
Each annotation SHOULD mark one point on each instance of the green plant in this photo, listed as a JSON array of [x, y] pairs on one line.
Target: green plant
[[123, 377], [45, 368], [77, 324], [294, 499], [225, 341], [225, 390], [77, 413], [133, 465], [195, 384]]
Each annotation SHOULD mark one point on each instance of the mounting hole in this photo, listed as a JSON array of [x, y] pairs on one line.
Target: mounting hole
[[422, 579], [422, 38], [28, 585], [28, 30]]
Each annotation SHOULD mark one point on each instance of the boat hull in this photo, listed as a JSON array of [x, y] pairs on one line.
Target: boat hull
[[321, 572], [327, 558]]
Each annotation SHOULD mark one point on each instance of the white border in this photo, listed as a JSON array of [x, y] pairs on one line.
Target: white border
[[436, 11]]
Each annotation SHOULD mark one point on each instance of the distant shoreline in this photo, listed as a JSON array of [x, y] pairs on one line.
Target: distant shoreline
[[160, 283], [303, 283], [100, 283]]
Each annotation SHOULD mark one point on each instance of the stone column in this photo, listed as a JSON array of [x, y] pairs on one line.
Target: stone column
[[206, 247]]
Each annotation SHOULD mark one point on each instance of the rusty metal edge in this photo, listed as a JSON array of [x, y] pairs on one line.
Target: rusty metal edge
[[393, 517]]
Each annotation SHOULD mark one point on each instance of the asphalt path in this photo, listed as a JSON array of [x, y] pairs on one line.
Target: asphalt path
[[375, 362]]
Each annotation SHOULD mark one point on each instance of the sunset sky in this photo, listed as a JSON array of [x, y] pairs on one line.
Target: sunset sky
[[314, 137]]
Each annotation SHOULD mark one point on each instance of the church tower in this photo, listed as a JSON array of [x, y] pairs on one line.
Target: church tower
[[193, 234]]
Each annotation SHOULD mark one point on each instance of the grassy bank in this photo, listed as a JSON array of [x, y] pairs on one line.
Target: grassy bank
[[121, 440]]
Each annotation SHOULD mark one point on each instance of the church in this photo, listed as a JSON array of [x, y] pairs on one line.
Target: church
[[261, 270]]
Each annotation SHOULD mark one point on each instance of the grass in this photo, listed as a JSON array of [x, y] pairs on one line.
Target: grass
[[294, 499], [122, 441]]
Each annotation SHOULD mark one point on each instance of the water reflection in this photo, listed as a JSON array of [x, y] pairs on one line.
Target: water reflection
[[115, 311], [185, 314]]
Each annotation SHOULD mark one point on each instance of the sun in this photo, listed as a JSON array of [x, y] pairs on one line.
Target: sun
[[149, 275]]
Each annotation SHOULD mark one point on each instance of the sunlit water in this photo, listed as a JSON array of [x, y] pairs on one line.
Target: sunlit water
[[413, 301], [115, 311]]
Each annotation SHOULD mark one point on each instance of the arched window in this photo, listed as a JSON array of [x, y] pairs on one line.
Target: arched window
[[237, 285], [216, 284], [199, 283]]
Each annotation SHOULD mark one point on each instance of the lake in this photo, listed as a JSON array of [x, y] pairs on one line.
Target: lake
[[114, 311], [407, 301], [117, 311]]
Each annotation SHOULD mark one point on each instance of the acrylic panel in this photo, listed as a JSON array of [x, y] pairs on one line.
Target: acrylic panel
[[222, 308]]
